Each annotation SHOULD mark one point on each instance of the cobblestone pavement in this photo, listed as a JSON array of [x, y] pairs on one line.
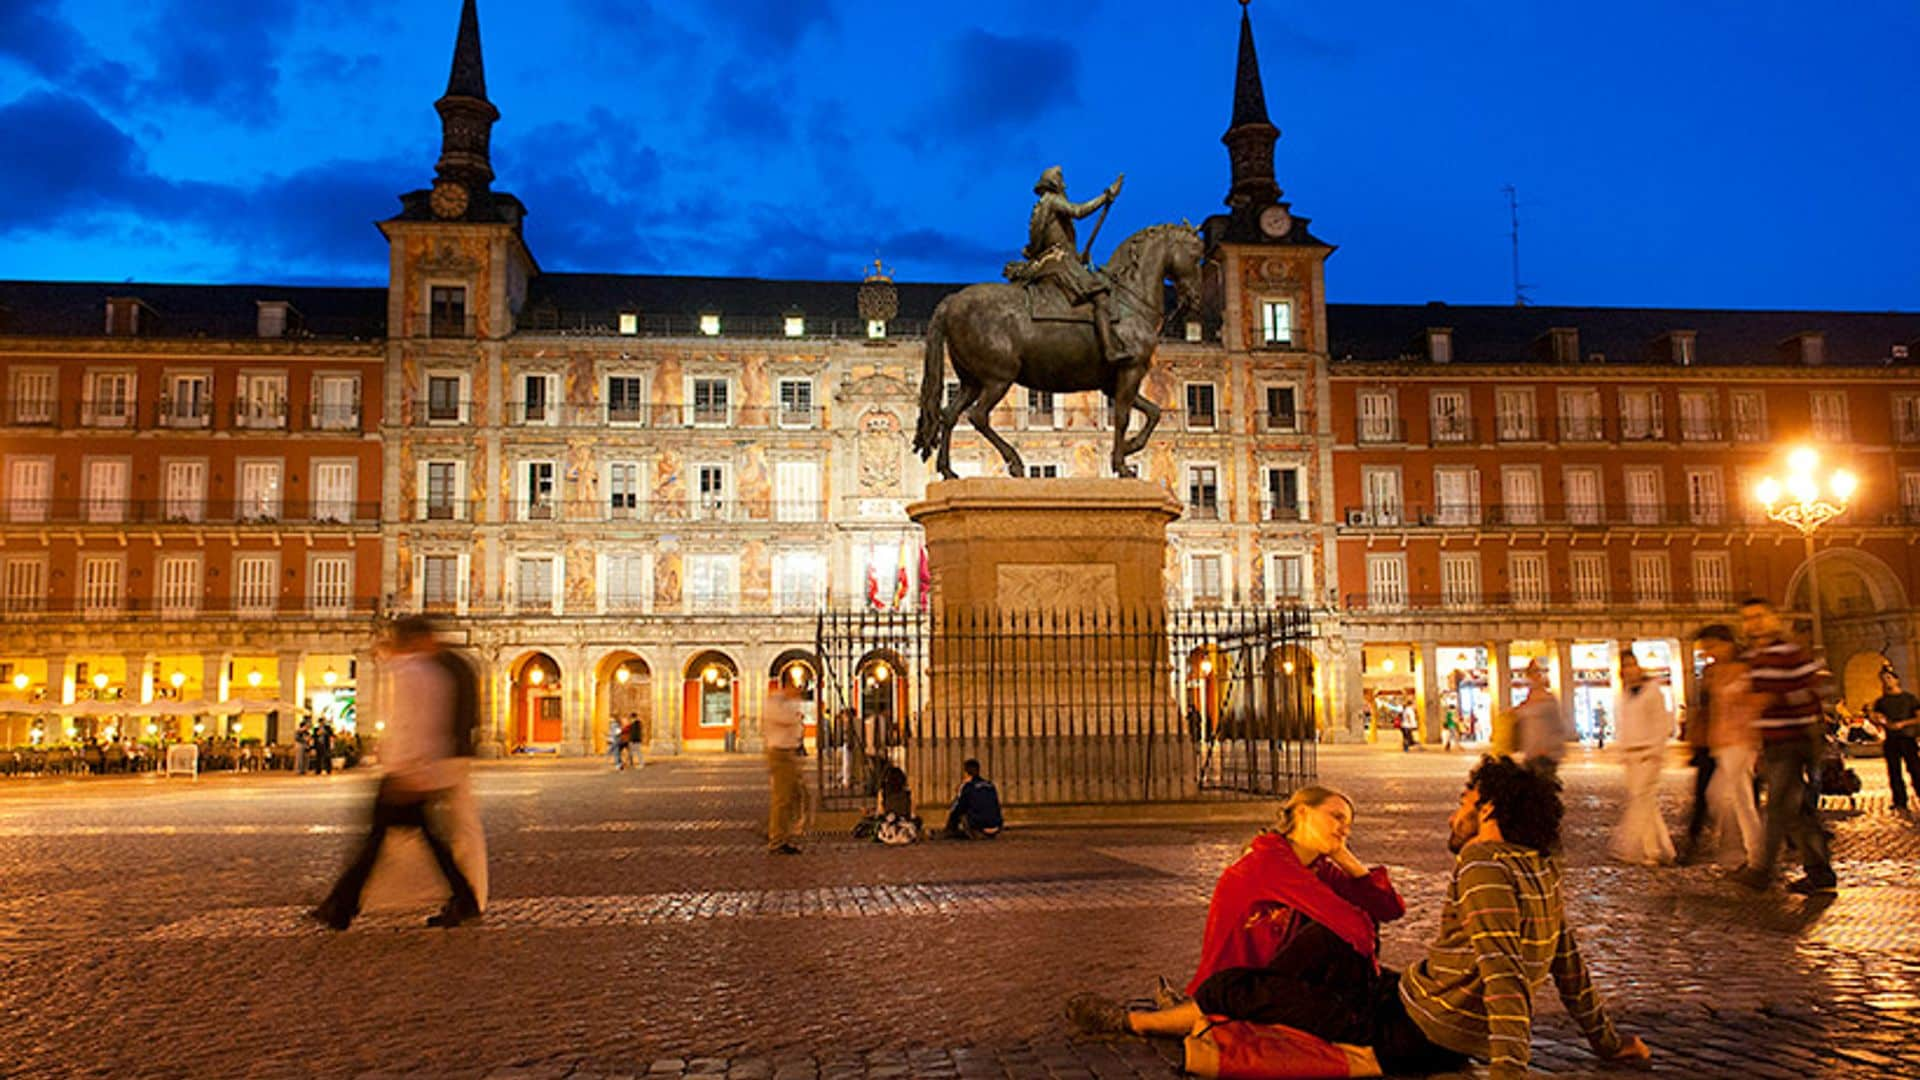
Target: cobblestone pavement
[[153, 928]]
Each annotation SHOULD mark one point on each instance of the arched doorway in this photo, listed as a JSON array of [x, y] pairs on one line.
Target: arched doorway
[[881, 676], [1864, 617], [799, 669], [1290, 687], [710, 700], [624, 685], [1204, 683], [1860, 684], [537, 695]]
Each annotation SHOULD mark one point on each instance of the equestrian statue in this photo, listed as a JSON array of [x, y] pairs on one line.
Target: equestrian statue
[[1058, 325]]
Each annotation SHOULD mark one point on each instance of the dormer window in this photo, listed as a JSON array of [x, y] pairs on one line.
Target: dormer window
[[710, 324], [1194, 330], [876, 329], [1809, 348], [123, 316], [1566, 345], [629, 323], [273, 318], [795, 326], [1440, 344], [1683, 347]]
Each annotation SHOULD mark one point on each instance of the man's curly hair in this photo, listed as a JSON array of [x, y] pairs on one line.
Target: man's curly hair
[[1525, 801]]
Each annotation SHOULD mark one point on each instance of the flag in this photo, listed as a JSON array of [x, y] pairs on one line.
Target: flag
[[901, 588], [926, 580], [873, 583]]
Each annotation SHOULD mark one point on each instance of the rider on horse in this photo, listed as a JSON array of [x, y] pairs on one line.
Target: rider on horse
[[1053, 253]]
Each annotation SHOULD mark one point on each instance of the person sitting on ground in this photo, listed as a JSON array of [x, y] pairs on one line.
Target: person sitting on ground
[[1503, 932], [976, 809], [1293, 925]]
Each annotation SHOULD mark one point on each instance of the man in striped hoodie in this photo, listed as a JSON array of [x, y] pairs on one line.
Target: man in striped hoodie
[[1790, 726], [1503, 931]]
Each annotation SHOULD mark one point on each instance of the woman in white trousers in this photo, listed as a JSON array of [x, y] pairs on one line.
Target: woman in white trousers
[[1732, 707], [1644, 724]]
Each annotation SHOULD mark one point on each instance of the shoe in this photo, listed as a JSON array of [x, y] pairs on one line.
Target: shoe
[[330, 917], [1752, 878], [1166, 995], [1095, 1015], [1809, 886], [784, 849], [453, 915]]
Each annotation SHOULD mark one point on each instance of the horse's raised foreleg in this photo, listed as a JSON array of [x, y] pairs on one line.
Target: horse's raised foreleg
[[981, 413], [949, 416]]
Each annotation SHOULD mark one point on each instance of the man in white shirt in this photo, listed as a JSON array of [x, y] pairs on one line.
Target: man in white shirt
[[421, 751]]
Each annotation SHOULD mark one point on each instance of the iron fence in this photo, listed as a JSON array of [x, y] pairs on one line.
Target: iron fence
[[1062, 708]]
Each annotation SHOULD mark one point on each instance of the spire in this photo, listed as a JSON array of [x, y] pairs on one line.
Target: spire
[[466, 116], [1251, 137], [469, 75]]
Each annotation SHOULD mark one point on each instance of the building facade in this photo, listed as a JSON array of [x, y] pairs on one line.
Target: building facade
[[633, 494]]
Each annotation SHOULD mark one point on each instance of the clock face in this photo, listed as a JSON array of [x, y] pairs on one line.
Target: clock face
[[1275, 221], [449, 199]]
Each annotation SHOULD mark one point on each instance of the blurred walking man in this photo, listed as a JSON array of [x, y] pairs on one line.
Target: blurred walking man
[[437, 696], [783, 724], [1791, 729]]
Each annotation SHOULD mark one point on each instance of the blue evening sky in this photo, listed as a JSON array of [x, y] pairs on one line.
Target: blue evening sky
[[1721, 153]]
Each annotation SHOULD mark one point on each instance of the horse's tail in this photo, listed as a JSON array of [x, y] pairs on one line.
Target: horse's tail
[[926, 435]]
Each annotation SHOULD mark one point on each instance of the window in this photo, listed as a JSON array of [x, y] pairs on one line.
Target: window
[[710, 493], [1381, 488], [1203, 492], [1643, 495], [33, 396], [261, 401], [333, 491], [876, 329], [796, 403], [183, 491], [1276, 322], [799, 582], [1705, 505], [1287, 578], [796, 491], [440, 494], [537, 393], [1201, 415], [1040, 411], [1450, 421], [1585, 504], [1712, 578], [1580, 416], [1283, 494], [1456, 496], [259, 491], [29, 488], [336, 402], [1460, 579], [629, 323], [1698, 422], [1379, 419], [446, 399], [710, 325], [1906, 418], [1829, 415], [710, 402], [1386, 582], [26, 586], [1650, 582], [1282, 413], [330, 585], [109, 401], [624, 402], [537, 491], [189, 401], [711, 582], [254, 592], [447, 310], [1910, 495], [1514, 406], [1749, 412], [1527, 576], [795, 325], [1640, 415], [1588, 569], [1206, 584], [442, 582], [179, 586], [107, 490], [623, 490], [1047, 470], [626, 582], [1520, 494], [533, 584], [100, 589]]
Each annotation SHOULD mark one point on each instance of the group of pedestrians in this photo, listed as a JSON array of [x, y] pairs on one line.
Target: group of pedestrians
[[626, 742], [313, 748]]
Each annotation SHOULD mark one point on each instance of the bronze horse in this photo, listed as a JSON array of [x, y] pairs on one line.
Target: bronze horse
[[993, 343]]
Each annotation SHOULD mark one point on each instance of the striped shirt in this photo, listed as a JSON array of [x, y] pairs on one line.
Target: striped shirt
[[1503, 932], [1788, 678]]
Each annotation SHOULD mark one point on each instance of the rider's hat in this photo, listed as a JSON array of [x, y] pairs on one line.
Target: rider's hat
[[1051, 180]]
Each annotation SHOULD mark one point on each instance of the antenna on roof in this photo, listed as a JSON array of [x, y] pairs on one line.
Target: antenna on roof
[[1513, 216]]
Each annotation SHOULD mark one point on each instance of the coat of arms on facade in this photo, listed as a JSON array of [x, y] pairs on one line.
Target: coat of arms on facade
[[879, 453]]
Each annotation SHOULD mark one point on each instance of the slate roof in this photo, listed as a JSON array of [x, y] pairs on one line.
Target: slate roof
[[605, 295], [79, 309]]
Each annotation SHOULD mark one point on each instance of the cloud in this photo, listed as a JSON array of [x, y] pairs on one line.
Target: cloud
[[34, 36], [750, 108], [228, 62], [991, 85], [759, 25], [64, 161]]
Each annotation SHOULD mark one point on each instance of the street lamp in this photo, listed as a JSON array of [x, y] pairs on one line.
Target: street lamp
[[1799, 502]]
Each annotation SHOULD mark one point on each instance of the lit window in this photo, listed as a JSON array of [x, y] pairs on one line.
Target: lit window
[[629, 322], [710, 325], [796, 325], [1193, 330], [1276, 322], [876, 328]]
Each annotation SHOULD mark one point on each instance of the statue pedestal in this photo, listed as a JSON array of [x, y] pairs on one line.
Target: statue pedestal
[[1047, 657], [1046, 545]]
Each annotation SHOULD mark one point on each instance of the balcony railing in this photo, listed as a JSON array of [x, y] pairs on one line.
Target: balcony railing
[[333, 417], [1537, 515], [183, 413], [1294, 422], [1287, 512], [1641, 430], [1453, 429], [1204, 509], [1701, 431], [259, 414], [49, 608], [441, 325], [1906, 432], [1380, 429], [1583, 429], [1519, 428], [180, 512], [1544, 601]]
